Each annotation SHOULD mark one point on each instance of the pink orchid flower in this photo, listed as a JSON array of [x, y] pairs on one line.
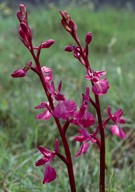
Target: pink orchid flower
[[100, 86], [57, 95], [83, 117], [116, 118], [84, 137], [65, 109], [47, 73], [45, 115], [48, 156]]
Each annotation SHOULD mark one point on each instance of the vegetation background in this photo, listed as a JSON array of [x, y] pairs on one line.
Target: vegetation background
[[112, 48]]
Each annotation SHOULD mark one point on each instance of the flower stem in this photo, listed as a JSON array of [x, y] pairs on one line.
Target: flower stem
[[102, 147], [69, 163]]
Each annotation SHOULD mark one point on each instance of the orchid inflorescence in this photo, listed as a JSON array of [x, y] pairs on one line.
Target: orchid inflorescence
[[60, 108]]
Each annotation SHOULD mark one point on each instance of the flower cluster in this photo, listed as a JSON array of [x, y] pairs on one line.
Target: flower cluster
[[60, 108]]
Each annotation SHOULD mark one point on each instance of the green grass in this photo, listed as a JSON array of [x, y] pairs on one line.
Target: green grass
[[112, 49]]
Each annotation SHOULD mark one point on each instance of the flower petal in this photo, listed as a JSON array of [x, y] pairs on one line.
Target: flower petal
[[49, 175], [118, 113], [83, 149], [100, 87], [42, 105], [44, 115], [64, 109], [79, 138], [47, 73], [56, 145], [85, 119], [45, 151], [118, 132], [109, 112], [41, 161]]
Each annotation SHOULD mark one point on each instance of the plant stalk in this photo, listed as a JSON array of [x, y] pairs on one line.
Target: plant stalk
[[102, 147], [69, 163]]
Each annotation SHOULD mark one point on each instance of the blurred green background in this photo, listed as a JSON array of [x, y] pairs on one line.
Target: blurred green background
[[112, 49]]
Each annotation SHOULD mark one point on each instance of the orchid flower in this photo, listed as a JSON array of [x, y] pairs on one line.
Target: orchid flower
[[83, 117], [45, 115], [48, 156], [117, 119], [84, 137], [100, 86]]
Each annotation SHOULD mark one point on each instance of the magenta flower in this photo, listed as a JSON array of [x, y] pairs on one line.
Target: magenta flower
[[82, 117], [48, 156], [83, 149], [84, 137], [116, 118], [45, 115], [47, 73], [65, 109], [57, 95], [100, 86]]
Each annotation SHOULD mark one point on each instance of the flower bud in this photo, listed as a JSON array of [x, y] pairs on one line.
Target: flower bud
[[69, 48], [47, 43], [88, 38], [18, 73], [22, 14]]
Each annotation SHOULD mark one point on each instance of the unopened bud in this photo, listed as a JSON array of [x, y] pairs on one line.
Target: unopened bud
[[69, 48], [22, 8], [47, 43], [88, 38], [18, 73]]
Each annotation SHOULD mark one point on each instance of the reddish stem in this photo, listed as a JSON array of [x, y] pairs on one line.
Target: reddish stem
[[68, 163], [102, 147], [101, 128]]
